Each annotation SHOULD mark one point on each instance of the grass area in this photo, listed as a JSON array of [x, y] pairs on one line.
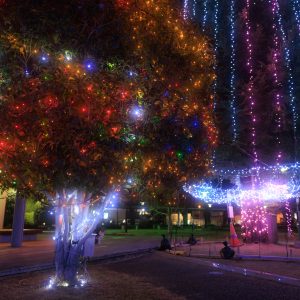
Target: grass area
[[210, 233], [105, 284]]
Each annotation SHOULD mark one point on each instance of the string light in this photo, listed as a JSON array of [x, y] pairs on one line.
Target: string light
[[279, 169], [253, 215], [250, 94], [185, 9], [232, 71], [266, 193], [216, 46], [277, 85], [277, 16], [254, 223], [288, 216], [278, 116], [205, 13], [296, 10], [194, 7]]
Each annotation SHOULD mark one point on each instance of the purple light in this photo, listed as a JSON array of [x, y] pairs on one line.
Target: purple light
[[251, 77], [277, 84]]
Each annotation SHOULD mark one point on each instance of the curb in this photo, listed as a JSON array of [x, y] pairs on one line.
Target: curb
[[96, 259], [268, 258], [253, 258], [248, 272], [259, 274]]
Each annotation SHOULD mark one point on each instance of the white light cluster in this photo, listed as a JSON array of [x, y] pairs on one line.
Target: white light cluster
[[268, 192], [253, 171]]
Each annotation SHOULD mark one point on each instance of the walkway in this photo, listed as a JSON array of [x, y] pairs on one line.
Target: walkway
[[42, 250]]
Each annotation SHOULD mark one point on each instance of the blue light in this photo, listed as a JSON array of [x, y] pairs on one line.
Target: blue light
[[277, 16], [189, 149], [296, 10], [205, 12], [137, 112], [194, 8], [89, 65], [232, 71], [195, 123], [185, 9]]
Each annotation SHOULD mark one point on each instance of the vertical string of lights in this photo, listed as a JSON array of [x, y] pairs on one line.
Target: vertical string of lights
[[216, 47], [250, 95], [232, 71], [254, 225], [185, 9], [205, 13], [277, 17], [194, 8], [277, 85], [296, 10], [287, 56]]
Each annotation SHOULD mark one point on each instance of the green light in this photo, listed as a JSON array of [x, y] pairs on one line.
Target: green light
[[111, 66], [179, 155]]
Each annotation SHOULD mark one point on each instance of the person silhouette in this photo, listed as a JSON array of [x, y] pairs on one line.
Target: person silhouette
[[192, 240], [227, 252], [164, 244]]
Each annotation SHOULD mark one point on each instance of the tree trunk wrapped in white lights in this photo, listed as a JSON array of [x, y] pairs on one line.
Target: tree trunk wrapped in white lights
[[76, 218]]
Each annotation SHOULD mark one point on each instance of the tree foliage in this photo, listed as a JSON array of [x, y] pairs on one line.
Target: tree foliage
[[93, 91]]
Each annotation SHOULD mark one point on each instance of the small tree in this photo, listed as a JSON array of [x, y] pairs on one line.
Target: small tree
[[131, 97]]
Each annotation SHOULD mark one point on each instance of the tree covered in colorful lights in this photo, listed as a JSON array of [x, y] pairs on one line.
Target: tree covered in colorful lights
[[94, 93]]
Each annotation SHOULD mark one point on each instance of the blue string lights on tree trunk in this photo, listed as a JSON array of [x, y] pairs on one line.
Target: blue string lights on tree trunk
[[205, 13], [216, 46], [233, 71], [194, 8], [186, 9], [296, 10]]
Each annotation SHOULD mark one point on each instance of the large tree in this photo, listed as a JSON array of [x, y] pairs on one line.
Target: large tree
[[94, 93]]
